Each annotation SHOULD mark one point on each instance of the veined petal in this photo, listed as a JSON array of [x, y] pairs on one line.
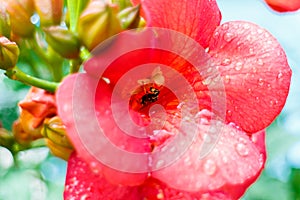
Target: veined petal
[[78, 111], [233, 164], [195, 18], [255, 72]]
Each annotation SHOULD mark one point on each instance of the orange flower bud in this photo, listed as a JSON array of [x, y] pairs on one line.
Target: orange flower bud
[[130, 17], [9, 53], [97, 22], [20, 13], [37, 105], [4, 22], [63, 41], [50, 11]]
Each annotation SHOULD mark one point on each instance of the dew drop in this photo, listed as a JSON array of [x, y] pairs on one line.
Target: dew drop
[[206, 81], [209, 167], [249, 90], [254, 69], [280, 75], [209, 70], [226, 62], [238, 66], [246, 26], [242, 149], [229, 113], [257, 99], [228, 37], [251, 51], [260, 62], [225, 27], [160, 163], [227, 79], [260, 82], [187, 161]]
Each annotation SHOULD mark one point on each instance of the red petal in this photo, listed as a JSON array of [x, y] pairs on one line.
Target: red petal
[[255, 72], [284, 5], [233, 164], [82, 183], [76, 107], [195, 18]]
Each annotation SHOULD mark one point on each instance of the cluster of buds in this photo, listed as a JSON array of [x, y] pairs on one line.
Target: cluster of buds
[[45, 27], [98, 20], [38, 120]]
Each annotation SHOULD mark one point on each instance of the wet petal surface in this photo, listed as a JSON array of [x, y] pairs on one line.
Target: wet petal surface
[[255, 73]]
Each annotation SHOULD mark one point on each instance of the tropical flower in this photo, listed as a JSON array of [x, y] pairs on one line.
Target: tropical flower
[[284, 5], [252, 71]]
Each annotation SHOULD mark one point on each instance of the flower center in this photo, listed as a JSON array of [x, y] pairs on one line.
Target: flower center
[[144, 96]]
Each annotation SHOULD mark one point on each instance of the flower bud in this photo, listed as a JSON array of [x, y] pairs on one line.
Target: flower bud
[[63, 41], [50, 11], [97, 22], [122, 3], [55, 130], [23, 137], [57, 140], [4, 22], [9, 53], [20, 13], [130, 17]]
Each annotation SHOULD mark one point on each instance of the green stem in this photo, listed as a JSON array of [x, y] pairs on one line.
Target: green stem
[[75, 7], [74, 66], [16, 74]]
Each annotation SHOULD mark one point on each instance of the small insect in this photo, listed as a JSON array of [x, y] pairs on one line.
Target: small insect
[[150, 96], [148, 91]]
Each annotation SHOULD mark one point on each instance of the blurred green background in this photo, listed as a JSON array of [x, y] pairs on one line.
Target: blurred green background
[[35, 174]]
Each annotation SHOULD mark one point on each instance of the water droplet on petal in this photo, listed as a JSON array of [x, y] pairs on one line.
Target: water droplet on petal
[[279, 76], [260, 62], [251, 51], [242, 149], [160, 163], [238, 66], [206, 81], [209, 167], [225, 26], [187, 161], [249, 90], [228, 37], [246, 26], [227, 79], [254, 69], [257, 99], [229, 113], [226, 62], [260, 82]]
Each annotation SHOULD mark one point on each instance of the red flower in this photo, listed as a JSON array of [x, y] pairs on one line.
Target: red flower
[[148, 158], [284, 5]]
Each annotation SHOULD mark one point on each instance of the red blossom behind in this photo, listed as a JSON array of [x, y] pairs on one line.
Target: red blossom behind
[[256, 77], [284, 5]]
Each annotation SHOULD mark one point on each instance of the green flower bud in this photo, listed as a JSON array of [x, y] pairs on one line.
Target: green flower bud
[[130, 17], [97, 22], [50, 11], [4, 22], [55, 133], [63, 41], [9, 53], [19, 15]]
